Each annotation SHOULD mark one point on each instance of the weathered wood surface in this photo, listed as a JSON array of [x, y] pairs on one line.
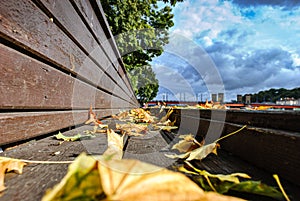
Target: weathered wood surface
[[57, 58], [37, 178], [35, 32], [281, 120], [20, 126], [29, 84], [274, 150]]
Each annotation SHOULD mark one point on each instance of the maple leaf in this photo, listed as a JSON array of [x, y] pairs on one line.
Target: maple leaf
[[126, 180], [188, 143], [82, 182], [166, 128], [61, 136], [142, 116], [7, 165], [121, 115], [166, 117], [115, 143], [92, 118], [223, 183], [202, 151], [132, 129]]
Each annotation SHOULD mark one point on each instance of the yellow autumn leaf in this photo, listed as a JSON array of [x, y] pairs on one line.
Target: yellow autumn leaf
[[166, 128], [115, 143], [126, 180], [7, 165], [121, 115], [81, 182], [198, 154], [201, 152], [133, 129], [166, 117], [234, 177], [188, 143]]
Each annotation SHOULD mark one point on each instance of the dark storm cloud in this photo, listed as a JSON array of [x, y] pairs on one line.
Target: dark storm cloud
[[282, 3], [251, 69]]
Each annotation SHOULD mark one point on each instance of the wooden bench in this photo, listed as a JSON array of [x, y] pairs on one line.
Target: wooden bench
[[58, 58]]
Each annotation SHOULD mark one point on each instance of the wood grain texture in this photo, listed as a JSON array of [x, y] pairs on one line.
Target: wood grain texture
[[21, 126], [281, 120], [274, 150], [29, 84], [37, 178], [96, 27], [64, 14], [25, 25]]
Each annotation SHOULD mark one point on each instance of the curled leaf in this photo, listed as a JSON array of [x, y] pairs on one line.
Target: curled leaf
[[82, 182], [92, 118], [121, 115], [115, 143], [201, 152], [126, 180], [7, 165], [196, 154], [223, 183], [133, 129], [166, 117], [188, 143], [166, 128], [61, 136]]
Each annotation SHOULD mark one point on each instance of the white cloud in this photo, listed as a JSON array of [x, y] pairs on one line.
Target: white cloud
[[253, 47]]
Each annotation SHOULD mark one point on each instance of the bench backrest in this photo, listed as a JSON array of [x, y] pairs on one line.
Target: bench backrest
[[57, 58]]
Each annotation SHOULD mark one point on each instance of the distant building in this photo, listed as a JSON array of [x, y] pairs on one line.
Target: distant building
[[214, 97], [221, 97], [288, 101], [239, 98], [248, 99]]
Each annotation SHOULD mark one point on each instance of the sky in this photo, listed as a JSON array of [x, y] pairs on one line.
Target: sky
[[231, 47]]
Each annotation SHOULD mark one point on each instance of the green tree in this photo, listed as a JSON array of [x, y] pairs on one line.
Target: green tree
[[141, 29]]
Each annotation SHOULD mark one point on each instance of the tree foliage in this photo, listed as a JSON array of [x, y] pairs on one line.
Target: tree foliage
[[141, 29], [272, 95]]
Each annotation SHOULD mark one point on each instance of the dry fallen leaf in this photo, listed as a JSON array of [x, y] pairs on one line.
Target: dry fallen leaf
[[133, 129], [7, 165], [82, 182], [166, 117], [141, 116], [126, 180], [121, 115], [115, 143], [203, 151], [188, 143], [92, 118]]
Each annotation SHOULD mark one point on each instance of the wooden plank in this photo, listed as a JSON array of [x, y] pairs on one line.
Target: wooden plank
[[275, 151], [27, 83], [282, 120], [150, 148], [31, 29], [37, 178], [20, 126], [90, 17], [64, 13]]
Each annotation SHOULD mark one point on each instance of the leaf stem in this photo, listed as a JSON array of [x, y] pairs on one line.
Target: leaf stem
[[280, 186], [209, 183], [230, 134], [46, 162]]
